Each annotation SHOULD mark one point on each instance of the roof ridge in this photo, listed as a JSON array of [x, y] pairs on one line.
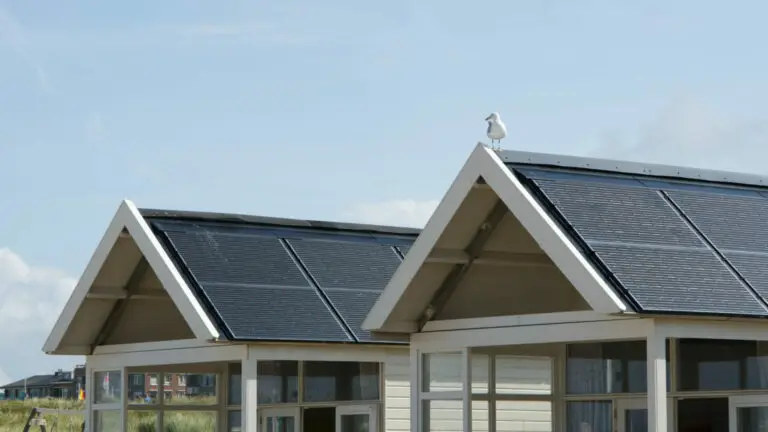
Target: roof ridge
[[634, 168], [277, 221]]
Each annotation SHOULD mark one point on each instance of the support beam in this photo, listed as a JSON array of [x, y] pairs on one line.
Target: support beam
[[511, 259], [657, 380], [119, 308], [122, 293], [466, 388], [249, 412], [473, 251]]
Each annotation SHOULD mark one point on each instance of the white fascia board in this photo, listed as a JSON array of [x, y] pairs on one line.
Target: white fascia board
[[128, 217], [378, 316], [549, 236]]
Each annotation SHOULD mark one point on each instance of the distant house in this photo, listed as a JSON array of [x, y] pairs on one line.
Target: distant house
[[61, 384]]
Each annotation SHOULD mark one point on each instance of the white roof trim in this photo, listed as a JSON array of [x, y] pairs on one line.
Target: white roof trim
[[552, 240], [128, 217]]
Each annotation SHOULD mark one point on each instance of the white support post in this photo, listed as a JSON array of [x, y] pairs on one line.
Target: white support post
[[416, 404], [249, 413], [466, 388], [657, 380]]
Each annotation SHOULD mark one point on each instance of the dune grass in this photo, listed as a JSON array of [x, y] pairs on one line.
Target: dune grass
[[13, 415]]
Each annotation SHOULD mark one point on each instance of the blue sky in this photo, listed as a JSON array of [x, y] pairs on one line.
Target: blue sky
[[335, 110]]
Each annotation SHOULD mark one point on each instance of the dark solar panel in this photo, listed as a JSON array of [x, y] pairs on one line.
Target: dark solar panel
[[354, 306], [680, 280], [236, 258], [730, 222], [404, 250], [347, 264], [607, 212], [275, 313], [753, 268]]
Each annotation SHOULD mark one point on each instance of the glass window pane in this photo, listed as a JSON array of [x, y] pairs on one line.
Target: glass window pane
[[611, 367], [707, 364], [480, 367], [749, 419], [234, 421], [235, 387], [443, 416], [278, 382], [441, 371], [589, 416], [141, 388], [523, 375], [480, 416], [341, 381], [107, 386], [189, 389], [757, 368], [106, 420], [190, 420], [142, 421], [523, 416]]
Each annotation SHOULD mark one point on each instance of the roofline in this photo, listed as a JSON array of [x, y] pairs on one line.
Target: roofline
[[633, 168], [275, 221]]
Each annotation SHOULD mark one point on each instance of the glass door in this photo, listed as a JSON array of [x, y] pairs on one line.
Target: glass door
[[632, 415], [356, 418], [748, 413], [279, 420]]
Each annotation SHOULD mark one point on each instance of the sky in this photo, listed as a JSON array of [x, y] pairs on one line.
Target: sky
[[334, 110]]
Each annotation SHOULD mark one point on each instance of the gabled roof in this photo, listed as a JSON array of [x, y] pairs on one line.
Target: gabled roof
[[234, 277], [630, 237], [37, 381]]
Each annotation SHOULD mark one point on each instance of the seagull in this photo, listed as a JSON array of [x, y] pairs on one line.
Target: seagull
[[496, 129]]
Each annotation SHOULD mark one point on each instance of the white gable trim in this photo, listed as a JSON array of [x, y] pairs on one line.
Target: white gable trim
[[552, 240], [128, 217]]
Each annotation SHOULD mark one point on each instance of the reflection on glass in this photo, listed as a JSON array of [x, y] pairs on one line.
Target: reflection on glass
[[189, 389], [441, 371], [280, 424], [234, 421], [189, 420], [435, 412], [707, 364], [355, 423], [142, 421], [106, 386], [636, 420], [106, 420], [142, 388], [537, 379], [341, 381], [593, 416], [752, 419], [278, 382], [234, 392]]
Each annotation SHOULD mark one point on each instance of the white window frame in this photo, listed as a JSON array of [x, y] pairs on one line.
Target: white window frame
[[370, 410], [743, 401], [294, 412], [621, 405], [115, 406]]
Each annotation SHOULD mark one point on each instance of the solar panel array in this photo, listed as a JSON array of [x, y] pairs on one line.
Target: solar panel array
[[284, 284], [666, 246]]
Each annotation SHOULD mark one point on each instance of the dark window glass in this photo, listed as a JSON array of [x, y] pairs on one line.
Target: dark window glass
[[609, 367], [234, 390], [707, 364], [278, 382], [589, 415], [341, 381]]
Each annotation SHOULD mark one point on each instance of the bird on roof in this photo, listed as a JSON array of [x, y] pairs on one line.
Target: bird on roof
[[496, 129]]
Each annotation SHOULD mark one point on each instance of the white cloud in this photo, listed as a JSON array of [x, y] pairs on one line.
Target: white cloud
[[405, 212], [690, 132], [31, 299]]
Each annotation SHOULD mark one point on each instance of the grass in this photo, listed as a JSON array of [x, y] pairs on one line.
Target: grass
[[13, 415]]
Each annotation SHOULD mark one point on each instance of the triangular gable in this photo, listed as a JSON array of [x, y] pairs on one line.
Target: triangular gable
[[387, 314], [129, 219]]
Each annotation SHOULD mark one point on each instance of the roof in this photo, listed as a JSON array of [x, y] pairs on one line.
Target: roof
[[38, 381], [668, 239], [630, 237], [269, 279]]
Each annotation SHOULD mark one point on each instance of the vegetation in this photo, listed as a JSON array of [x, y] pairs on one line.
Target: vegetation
[[13, 415]]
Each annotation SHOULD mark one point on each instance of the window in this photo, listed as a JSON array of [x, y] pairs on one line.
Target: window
[[182, 380], [167, 379], [611, 367], [278, 382], [340, 381], [137, 379], [707, 364]]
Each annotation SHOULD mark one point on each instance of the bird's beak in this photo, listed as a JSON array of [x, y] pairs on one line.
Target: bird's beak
[[487, 118]]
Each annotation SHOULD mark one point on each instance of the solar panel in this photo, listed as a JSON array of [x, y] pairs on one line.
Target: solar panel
[[404, 249], [354, 306], [730, 222], [606, 212], [236, 258], [275, 313], [681, 280], [347, 264]]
